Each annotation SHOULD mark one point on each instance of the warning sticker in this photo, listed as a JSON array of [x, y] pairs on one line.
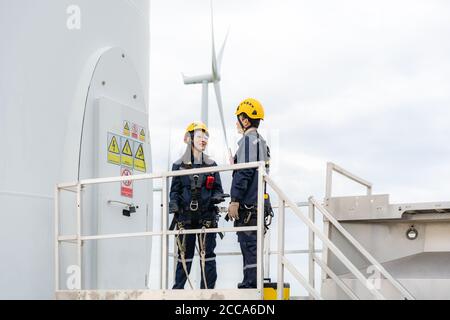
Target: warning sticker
[[113, 149], [126, 187], [126, 128], [134, 130], [139, 158], [127, 153], [142, 134]]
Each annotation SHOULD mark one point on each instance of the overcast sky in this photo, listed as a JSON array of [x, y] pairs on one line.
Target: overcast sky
[[364, 84]]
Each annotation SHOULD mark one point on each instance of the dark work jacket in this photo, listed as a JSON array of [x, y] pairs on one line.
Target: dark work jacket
[[244, 186], [180, 190]]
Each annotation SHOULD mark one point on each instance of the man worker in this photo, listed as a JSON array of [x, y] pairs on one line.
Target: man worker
[[244, 186], [193, 200]]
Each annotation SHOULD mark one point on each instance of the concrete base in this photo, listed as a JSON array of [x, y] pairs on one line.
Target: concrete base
[[211, 294]]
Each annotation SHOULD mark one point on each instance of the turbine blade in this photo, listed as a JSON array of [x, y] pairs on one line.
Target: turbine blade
[[219, 58], [222, 119], [215, 72]]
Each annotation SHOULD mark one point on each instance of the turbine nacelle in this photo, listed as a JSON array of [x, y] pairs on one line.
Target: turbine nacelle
[[209, 78]]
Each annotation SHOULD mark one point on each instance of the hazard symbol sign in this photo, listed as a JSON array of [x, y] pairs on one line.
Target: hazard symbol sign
[[126, 128], [113, 149], [142, 134], [127, 152], [139, 158]]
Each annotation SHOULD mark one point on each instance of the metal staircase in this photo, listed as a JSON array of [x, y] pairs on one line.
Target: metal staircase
[[263, 254]]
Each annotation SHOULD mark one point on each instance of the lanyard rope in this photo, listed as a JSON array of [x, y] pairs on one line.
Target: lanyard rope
[[182, 249]]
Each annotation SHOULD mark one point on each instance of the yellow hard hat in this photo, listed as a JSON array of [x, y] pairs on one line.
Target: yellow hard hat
[[198, 125], [252, 108]]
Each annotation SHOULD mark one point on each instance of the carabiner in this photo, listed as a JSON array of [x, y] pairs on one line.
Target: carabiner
[[194, 205]]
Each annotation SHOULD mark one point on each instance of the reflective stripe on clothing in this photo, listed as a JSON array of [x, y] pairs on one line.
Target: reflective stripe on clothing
[[250, 266]]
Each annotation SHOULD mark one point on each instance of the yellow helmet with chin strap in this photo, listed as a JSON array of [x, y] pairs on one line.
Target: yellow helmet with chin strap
[[252, 108], [198, 125]]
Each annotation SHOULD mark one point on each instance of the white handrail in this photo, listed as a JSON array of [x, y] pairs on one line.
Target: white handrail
[[301, 279], [155, 233], [78, 238], [334, 167], [327, 242], [361, 249], [283, 262], [168, 174], [336, 278]]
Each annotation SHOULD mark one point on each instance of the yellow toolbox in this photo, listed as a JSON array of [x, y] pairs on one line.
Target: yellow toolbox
[[270, 290]]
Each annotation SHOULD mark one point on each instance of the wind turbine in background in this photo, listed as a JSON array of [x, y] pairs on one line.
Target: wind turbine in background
[[214, 78]]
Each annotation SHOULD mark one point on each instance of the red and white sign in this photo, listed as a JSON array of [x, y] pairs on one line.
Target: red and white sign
[[126, 187], [134, 130]]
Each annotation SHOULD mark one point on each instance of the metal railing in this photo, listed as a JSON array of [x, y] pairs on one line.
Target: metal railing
[[282, 261], [403, 292], [313, 231], [332, 167], [79, 238], [268, 252]]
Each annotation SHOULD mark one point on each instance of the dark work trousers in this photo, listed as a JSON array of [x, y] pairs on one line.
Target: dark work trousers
[[210, 260], [247, 241], [248, 249]]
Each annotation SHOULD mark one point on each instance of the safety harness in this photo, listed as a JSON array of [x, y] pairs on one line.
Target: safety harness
[[196, 184]]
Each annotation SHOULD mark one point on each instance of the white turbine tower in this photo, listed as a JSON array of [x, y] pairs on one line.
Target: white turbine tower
[[214, 78]]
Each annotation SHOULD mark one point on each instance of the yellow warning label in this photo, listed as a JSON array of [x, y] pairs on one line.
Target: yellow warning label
[[139, 158], [142, 135], [113, 149], [126, 150], [127, 153], [126, 128], [113, 146]]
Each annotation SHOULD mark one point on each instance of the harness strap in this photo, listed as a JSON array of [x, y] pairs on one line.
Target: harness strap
[[202, 253], [202, 243], [196, 185], [252, 212], [182, 249]]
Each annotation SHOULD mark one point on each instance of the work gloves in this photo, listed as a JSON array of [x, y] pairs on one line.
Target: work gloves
[[173, 207], [218, 198], [233, 211]]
